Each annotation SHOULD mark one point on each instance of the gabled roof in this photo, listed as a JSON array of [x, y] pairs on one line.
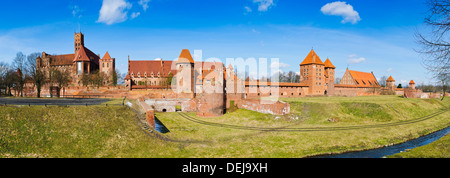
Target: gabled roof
[[81, 55], [364, 79], [411, 82], [328, 64], [390, 79], [65, 59], [312, 58], [185, 57], [155, 66], [86, 55]]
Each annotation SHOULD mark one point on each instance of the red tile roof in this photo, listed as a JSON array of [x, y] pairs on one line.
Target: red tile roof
[[411, 82], [312, 58], [66, 59], [328, 64], [155, 66], [86, 55], [364, 79], [390, 79], [106, 56], [185, 57]]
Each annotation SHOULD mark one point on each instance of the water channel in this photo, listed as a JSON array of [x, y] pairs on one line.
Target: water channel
[[390, 150]]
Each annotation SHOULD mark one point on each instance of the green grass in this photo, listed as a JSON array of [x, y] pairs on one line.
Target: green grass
[[75, 131], [100, 131]]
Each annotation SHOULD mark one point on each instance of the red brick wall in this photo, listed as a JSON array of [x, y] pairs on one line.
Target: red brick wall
[[151, 118], [264, 106]]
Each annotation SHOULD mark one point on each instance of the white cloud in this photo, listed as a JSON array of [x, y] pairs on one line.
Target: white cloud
[[135, 14], [114, 11], [247, 9], [76, 11], [354, 59], [388, 70], [144, 4], [343, 9], [264, 5], [277, 65]]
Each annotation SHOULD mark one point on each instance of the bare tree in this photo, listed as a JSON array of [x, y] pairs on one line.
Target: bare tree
[[337, 80], [19, 64], [36, 75], [382, 81], [10, 80], [62, 79], [435, 46], [3, 71]]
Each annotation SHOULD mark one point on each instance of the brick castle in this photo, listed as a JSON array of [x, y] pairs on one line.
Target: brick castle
[[209, 88]]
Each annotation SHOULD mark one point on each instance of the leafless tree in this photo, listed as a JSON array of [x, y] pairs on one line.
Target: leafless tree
[[382, 81], [435, 45], [62, 79], [19, 64], [37, 76]]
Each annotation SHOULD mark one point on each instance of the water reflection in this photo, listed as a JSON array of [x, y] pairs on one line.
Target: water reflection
[[390, 150], [160, 127]]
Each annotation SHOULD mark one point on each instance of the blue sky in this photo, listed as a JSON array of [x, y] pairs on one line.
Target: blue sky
[[364, 35]]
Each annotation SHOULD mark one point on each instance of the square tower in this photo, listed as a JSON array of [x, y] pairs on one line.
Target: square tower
[[79, 41], [185, 75], [312, 73]]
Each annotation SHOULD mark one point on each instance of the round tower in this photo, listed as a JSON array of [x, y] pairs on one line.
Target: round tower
[[211, 102], [412, 84], [390, 83]]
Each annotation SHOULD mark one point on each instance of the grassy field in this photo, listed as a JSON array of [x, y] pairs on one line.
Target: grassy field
[[112, 131], [74, 131]]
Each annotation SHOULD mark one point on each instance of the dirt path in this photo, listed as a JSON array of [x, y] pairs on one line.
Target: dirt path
[[315, 129]]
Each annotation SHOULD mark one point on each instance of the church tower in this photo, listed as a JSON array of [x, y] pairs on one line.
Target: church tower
[[79, 41]]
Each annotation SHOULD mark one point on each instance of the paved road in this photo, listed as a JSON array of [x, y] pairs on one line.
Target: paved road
[[44, 101]]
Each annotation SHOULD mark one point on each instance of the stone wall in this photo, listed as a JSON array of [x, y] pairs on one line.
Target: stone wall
[[210, 104], [352, 91], [264, 106], [171, 104]]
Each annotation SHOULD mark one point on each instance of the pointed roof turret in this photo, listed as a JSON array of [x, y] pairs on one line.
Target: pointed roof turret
[[106, 56], [411, 82], [312, 58], [185, 57], [328, 64], [390, 79]]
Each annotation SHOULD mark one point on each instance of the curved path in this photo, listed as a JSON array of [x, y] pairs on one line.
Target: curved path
[[420, 119]]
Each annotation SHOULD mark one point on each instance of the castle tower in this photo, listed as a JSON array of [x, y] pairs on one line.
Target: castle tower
[[107, 66], [390, 83], [79, 41], [412, 84], [312, 71], [329, 76], [185, 75]]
